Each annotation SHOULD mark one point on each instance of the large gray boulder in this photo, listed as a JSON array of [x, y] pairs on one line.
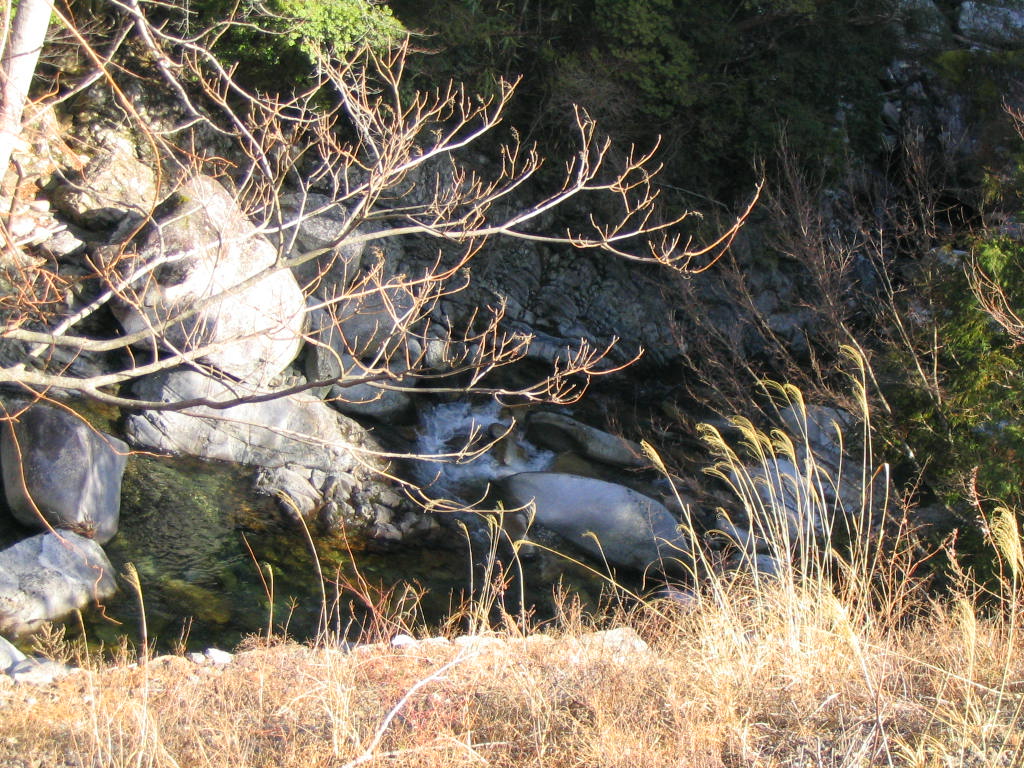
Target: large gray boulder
[[60, 472], [610, 521], [820, 429], [206, 251], [820, 489], [298, 429], [996, 24], [363, 387], [382, 399], [48, 576], [829, 440], [371, 328]]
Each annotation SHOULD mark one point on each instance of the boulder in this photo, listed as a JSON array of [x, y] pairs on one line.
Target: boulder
[[560, 433], [997, 24], [208, 248], [359, 328], [785, 504], [48, 576], [610, 521], [371, 400], [297, 429], [833, 437], [293, 488], [318, 223], [114, 185], [819, 428], [59, 472], [9, 655], [371, 324]]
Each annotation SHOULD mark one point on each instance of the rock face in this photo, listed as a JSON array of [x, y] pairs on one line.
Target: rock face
[[560, 297], [46, 577], [631, 529], [298, 429], [997, 24], [55, 465], [206, 250], [922, 24]]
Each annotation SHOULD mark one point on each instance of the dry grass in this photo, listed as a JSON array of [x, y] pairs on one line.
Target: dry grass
[[780, 677], [836, 663]]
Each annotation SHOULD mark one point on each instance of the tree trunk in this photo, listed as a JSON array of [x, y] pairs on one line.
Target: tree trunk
[[21, 55]]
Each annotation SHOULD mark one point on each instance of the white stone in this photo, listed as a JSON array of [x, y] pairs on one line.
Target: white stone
[[609, 521], [207, 250], [219, 657]]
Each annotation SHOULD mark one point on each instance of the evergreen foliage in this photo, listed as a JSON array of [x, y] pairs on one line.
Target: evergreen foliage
[[970, 427], [274, 43], [720, 83]]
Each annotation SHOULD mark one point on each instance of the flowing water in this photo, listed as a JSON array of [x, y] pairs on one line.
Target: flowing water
[[457, 433]]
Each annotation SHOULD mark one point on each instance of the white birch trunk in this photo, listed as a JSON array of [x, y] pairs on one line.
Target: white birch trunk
[[21, 54]]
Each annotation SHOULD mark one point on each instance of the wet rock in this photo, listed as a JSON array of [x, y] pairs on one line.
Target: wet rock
[[205, 250], [609, 521], [48, 576], [560, 433], [59, 472], [293, 487]]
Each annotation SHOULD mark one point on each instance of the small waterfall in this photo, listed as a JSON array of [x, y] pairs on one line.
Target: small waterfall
[[449, 429]]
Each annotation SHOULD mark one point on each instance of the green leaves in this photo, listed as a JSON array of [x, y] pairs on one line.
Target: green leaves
[[337, 27]]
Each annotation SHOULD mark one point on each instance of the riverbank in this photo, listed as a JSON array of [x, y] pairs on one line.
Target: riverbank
[[787, 675]]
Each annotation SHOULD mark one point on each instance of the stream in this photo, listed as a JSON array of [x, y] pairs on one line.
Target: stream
[[217, 563]]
